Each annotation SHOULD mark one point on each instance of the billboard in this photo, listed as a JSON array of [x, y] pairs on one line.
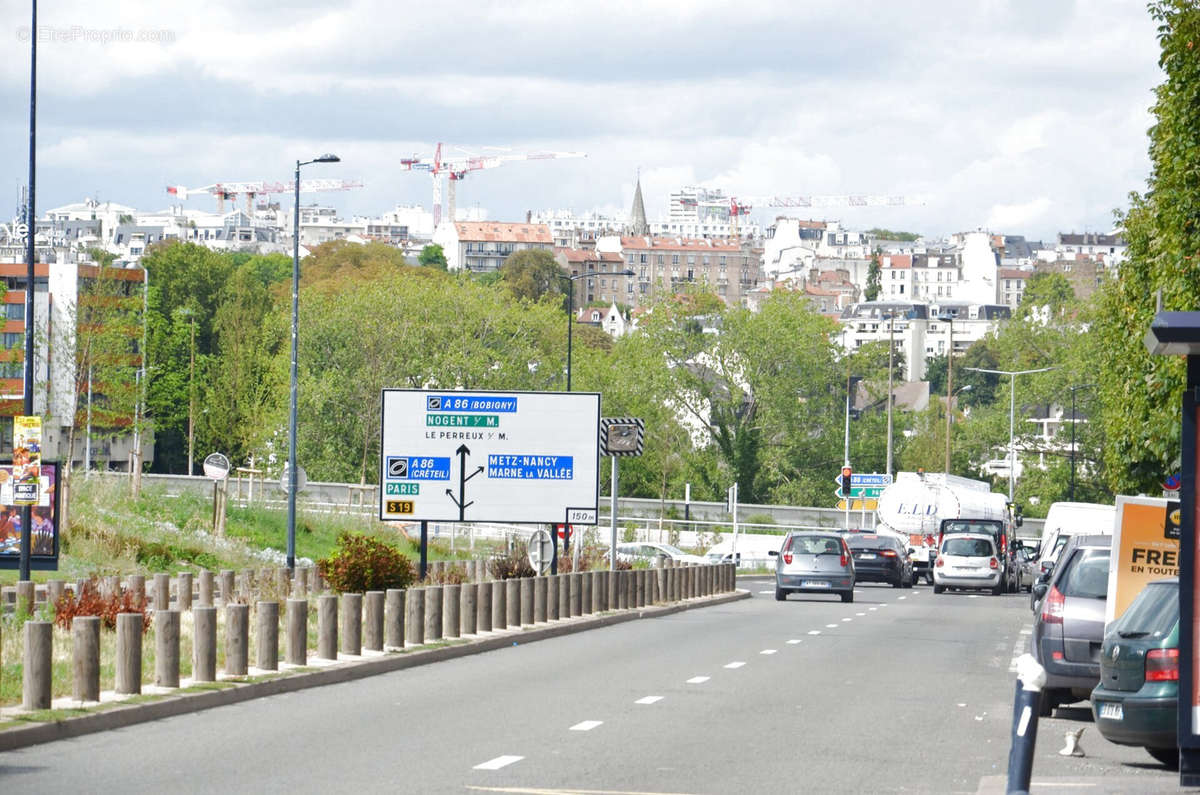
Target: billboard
[[490, 456], [1145, 547], [44, 539]]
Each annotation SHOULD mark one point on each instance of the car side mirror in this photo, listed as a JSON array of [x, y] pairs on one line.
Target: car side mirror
[[774, 553], [1039, 589]]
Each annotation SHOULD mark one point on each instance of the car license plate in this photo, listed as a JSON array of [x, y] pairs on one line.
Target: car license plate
[[867, 556], [814, 584], [1112, 711]]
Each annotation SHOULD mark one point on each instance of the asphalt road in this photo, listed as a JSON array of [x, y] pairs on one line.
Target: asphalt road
[[900, 691]]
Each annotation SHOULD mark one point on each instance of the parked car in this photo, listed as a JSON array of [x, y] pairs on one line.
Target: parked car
[[1026, 558], [815, 562], [968, 560], [1069, 627], [655, 552], [880, 558], [1137, 700]]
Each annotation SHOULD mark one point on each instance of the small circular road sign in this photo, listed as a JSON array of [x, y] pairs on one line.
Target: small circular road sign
[[541, 550], [216, 466]]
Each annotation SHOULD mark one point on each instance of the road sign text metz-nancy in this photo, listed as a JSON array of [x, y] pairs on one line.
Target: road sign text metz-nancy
[[490, 456]]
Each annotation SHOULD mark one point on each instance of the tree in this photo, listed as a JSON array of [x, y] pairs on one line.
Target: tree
[[1046, 292], [1141, 394], [534, 272], [873, 276], [433, 256]]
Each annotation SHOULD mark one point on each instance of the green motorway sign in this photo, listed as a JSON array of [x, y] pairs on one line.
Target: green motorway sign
[[463, 420]]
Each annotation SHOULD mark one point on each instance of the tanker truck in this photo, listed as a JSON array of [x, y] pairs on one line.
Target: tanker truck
[[918, 504]]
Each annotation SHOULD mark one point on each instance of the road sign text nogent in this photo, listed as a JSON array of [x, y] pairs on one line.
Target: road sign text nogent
[[462, 420]]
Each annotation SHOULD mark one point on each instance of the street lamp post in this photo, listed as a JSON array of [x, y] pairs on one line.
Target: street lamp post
[[1012, 392], [140, 411], [1073, 388], [571, 313], [890, 400], [291, 515], [949, 319]]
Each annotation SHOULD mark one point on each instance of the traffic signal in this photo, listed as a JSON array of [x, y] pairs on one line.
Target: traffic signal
[[847, 476]]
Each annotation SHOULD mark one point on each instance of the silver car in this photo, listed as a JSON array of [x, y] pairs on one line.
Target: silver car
[[814, 562], [968, 560]]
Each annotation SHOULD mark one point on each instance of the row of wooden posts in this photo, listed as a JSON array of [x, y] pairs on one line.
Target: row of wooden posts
[[378, 621]]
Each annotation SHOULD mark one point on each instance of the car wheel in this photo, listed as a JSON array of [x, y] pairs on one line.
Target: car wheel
[[939, 589], [899, 583], [998, 590], [929, 579], [1168, 756], [1047, 703], [848, 596], [911, 579], [780, 595]]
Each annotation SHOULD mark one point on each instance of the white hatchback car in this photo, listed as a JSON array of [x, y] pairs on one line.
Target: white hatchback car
[[968, 560], [652, 551]]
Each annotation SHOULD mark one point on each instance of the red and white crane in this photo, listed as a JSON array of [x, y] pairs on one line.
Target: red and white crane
[[456, 168], [230, 190], [743, 206]]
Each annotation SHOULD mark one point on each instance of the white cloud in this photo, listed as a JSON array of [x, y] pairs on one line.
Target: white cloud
[[1019, 216]]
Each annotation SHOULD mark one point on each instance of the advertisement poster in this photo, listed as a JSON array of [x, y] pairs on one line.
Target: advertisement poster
[[27, 459], [1145, 548], [44, 521]]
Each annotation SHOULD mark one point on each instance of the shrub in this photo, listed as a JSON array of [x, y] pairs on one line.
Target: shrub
[[514, 563], [452, 575], [362, 563], [90, 602]]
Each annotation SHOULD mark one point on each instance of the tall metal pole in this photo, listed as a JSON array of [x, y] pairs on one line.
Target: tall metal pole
[[949, 387], [1012, 451], [1071, 496], [846, 443], [612, 549], [291, 514], [891, 365], [141, 406], [570, 328], [191, 396], [30, 228]]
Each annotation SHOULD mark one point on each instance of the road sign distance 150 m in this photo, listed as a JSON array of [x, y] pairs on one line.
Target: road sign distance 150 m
[[521, 457]]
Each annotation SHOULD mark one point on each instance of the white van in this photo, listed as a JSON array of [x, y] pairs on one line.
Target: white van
[[753, 550], [1066, 519]]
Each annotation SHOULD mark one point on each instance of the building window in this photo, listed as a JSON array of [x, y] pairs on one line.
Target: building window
[[674, 259], [14, 311], [11, 339], [660, 259], [643, 259]]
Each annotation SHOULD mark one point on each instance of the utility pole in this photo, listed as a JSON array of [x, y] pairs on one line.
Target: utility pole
[[891, 366], [1071, 495], [949, 384]]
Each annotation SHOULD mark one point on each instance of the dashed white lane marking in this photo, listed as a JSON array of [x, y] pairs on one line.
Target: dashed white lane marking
[[845, 620], [872, 609], [498, 762], [766, 592], [860, 614], [585, 726], [649, 700], [1027, 631], [831, 626], [793, 641], [902, 598], [767, 651], [814, 632], [1020, 646], [883, 604], [736, 664], [697, 680]]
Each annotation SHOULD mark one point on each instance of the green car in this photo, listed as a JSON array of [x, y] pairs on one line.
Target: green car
[[1137, 700]]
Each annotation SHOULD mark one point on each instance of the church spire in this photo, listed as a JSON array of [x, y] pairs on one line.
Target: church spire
[[637, 216]]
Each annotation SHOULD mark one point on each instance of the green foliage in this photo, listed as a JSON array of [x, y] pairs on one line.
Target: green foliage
[[874, 272], [1046, 291], [512, 565], [1141, 394], [362, 563], [533, 273], [433, 256], [888, 234]]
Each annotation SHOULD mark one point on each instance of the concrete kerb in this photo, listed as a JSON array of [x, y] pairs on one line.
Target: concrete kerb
[[119, 715]]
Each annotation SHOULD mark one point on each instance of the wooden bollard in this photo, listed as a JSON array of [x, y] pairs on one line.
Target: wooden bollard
[[25, 594], [136, 584], [622, 594], [373, 620], [35, 676], [480, 570], [267, 636], [206, 588], [393, 618], [283, 582], [512, 597], [300, 583], [611, 581], [539, 600], [483, 607], [204, 644], [237, 639], [226, 582], [297, 632], [451, 621], [112, 584], [499, 604], [166, 647], [129, 653], [526, 601], [576, 580], [585, 581], [564, 596], [54, 591], [414, 617], [639, 588], [433, 613], [85, 658], [327, 627], [162, 592], [552, 598], [466, 608], [598, 596], [183, 591], [351, 623]]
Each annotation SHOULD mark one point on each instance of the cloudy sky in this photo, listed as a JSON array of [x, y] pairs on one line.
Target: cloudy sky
[[1019, 116]]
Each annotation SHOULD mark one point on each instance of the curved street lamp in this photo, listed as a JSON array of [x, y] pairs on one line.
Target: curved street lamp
[[1012, 392], [949, 416], [291, 516]]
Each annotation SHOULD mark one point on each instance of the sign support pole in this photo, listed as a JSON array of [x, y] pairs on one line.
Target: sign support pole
[[1189, 754], [612, 549]]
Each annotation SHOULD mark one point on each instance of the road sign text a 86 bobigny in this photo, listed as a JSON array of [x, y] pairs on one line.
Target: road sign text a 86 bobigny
[[489, 456]]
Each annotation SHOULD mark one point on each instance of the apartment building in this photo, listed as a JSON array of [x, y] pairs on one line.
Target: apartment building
[[596, 276], [729, 268], [483, 246]]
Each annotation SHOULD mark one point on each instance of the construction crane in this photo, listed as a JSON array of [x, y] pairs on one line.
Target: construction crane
[[230, 190], [457, 167], [739, 207]]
